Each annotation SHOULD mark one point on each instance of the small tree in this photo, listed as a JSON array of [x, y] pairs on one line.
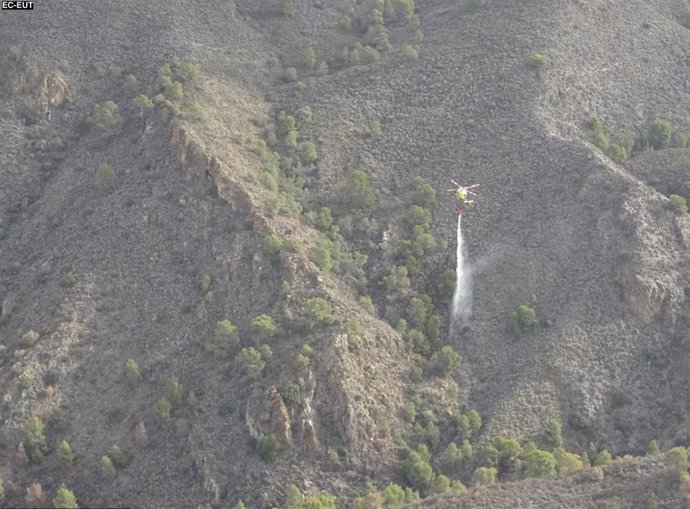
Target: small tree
[[162, 410], [64, 498], [65, 454], [132, 373], [287, 8], [272, 245], [539, 463], [677, 459], [653, 448], [105, 117], [522, 320], [539, 60], [142, 103], [316, 313], [422, 193], [105, 178], [310, 56], [269, 448]]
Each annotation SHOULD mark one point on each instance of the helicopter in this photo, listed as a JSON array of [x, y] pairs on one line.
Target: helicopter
[[463, 194]]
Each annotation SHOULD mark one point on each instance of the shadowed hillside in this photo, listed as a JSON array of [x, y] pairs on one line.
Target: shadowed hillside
[[226, 247]]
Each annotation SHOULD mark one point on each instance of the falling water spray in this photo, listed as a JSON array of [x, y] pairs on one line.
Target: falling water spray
[[462, 298]]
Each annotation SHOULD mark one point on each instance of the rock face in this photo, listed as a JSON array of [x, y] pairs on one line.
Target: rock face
[[52, 92], [280, 418]]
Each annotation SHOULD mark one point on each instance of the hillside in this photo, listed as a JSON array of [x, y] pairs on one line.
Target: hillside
[[221, 249]]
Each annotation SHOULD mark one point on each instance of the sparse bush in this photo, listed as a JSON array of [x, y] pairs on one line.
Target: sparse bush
[[446, 361], [678, 204], [409, 412], [287, 8], [59, 419], [539, 60], [65, 454], [64, 498], [181, 427], [251, 362], [224, 340], [484, 476], [566, 462], [173, 393], [397, 283], [616, 153], [310, 57], [31, 114], [108, 470], [370, 55], [345, 22], [680, 140], [523, 320], [264, 326], [105, 117], [600, 140], [34, 438], [453, 456], [132, 373], [659, 134], [422, 193], [269, 448], [105, 178], [196, 112]]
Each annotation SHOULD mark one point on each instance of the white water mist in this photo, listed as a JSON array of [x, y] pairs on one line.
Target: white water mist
[[462, 298]]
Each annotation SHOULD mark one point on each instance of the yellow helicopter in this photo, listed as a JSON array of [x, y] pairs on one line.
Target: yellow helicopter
[[463, 194]]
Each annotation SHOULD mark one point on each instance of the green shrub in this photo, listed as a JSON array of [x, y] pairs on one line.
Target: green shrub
[[29, 338], [64, 498], [310, 56], [418, 471], [566, 462], [680, 140], [469, 423], [484, 476], [315, 313], [162, 410], [173, 393], [290, 74], [678, 204], [600, 140], [345, 22], [677, 459], [366, 302], [205, 283], [34, 438], [105, 178], [322, 257], [370, 55], [224, 339], [269, 448], [108, 470], [409, 412], [132, 373], [69, 280], [603, 458], [538, 463], [65, 454], [375, 131], [308, 152], [142, 103], [291, 394], [264, 326], [251, 362], [31, 114], [358, 192], [418, 341], [417, 215], [105, 117], [422, 193], [397, 283], [446, 361], [616, 153], [272, 245], [523, 320], [554, 434], [302, 361], [659, 134], [539, 60], [196, 112], [653, 449], [410, 52], [118, 457], [59, 419]]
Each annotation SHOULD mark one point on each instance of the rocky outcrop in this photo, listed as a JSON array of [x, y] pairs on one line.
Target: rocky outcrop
[[52, 92], [280, 418]]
